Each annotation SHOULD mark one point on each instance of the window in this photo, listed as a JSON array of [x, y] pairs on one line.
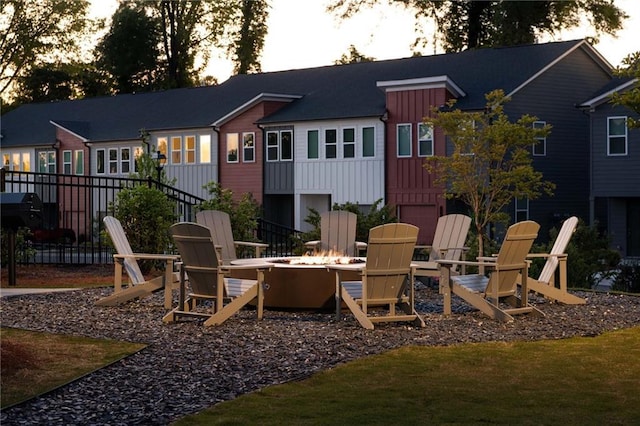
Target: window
[[6, 160], [26, 162], [279, 145], [404, 140], [272, 146], [248, 147], [617, 136], [368, 142], [425, 140], [348, 143], [162, 146], [232, 147], [113, 160], [47, 162], [286, 144], [16, 161], [100, 161], [125, 160], [66, 162], [137, 152], [78, 162], [522, 209], [205, 149], [331, 143], [312, 144], [176, 150], [190, 150], [540, 148]]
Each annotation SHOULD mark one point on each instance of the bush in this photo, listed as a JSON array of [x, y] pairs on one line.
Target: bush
[[24, 249], [243, 214], [146, 215], [376, 216], [628, 278]]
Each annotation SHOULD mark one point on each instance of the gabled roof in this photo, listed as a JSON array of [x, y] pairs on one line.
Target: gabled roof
[[603, 95], [322, 93]]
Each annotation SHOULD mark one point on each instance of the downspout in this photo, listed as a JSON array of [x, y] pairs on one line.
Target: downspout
[[383, 118], [217, 130]]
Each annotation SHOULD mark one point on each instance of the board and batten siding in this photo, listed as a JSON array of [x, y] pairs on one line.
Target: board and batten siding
[[355, 180]]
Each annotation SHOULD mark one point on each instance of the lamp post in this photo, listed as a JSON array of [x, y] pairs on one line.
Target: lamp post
[[160, 160]]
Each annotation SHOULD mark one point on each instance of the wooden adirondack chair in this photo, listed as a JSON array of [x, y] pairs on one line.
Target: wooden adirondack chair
[[337, 233], [487, 293], [208, 278], [556, 260], [387, 278], [219, 224], [448, 243], [127, 259]]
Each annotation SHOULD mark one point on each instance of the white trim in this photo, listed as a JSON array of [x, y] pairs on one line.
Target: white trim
[[435, 82], [603, 98], [262, 97]]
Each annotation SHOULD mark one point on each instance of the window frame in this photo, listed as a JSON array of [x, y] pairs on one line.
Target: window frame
[[429, 141], [78, 162], [67, 162], [409, 144], [101, 168], [332, 146], [518, 209], [125, 163], [273, 146], [204, 144], [116, 160], [251, 149], [364, 141], [176, 149], [348, 144], [190, 149], [317, 144], [541, 141], [625, 137], [232, 139]]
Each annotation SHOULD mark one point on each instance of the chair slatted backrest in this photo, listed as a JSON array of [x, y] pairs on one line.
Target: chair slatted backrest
[[198, 254], [451, 232], [122, 246], [515, 247], [219, 224], [338, 231], [559, 247], [389, 257]]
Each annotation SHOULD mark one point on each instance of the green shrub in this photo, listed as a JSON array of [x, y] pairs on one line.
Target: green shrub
[[24, 249], [146, 215], [627, 277], [375, 216], [243, 214]]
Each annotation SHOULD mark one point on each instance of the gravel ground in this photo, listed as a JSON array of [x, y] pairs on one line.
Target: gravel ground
[[187, 367]]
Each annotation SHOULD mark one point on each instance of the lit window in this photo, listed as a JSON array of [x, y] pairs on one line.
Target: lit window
[[162, 146], [26, 162], [176, 150], [404, 140], [137, 152], [78, 161], [190, 150], [205, 149], [232, 147]]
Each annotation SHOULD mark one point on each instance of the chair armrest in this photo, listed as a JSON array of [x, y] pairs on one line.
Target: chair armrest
[[251, 244], [147, 256], [546, 255], [256, 266], [312, 244]]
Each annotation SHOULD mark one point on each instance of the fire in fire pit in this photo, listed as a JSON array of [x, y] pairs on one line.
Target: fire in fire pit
[[320, 258]]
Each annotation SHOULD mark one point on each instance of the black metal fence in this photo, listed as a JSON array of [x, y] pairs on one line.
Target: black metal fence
[[73, 208]]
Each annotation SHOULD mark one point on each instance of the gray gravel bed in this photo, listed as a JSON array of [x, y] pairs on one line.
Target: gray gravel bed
[[187, 367]]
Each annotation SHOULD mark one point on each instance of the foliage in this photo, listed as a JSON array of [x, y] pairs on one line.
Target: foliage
[[243, 213], [631, 97], [491, 164], [47, 82], [628, 278], [248, 37], [352, 57], [130, 50], [32, 31], [146, 215], [24, 250], [147, 165], [375, 216], [472, 24]]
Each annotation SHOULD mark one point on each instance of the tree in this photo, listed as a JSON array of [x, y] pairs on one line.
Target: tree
[[491, 164], [631, 97], [472, 24], [353, 56], [250, 35], [32, 31], [130, 50]]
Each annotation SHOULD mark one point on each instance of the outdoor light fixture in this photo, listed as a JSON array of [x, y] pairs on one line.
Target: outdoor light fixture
[[160, 160]]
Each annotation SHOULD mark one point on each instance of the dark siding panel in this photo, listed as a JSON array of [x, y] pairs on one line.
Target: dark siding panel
[[278, 177]]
